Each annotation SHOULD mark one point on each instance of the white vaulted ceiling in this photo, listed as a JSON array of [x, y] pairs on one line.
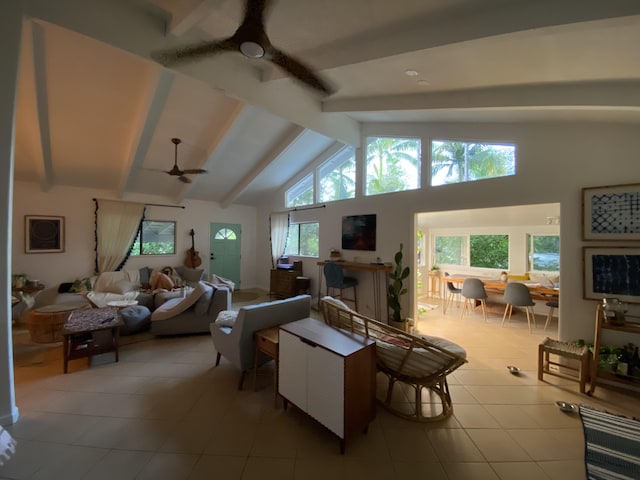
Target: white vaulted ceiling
[[95, 110]]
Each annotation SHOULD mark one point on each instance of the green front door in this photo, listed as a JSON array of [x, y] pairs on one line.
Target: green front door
[[224, 259]]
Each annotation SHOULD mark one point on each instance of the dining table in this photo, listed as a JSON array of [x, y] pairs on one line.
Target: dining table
[[493, 286]]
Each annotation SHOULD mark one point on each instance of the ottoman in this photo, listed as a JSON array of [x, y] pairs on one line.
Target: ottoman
[[136, 318]]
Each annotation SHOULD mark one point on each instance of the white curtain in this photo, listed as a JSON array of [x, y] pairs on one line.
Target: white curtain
[[279, 226], [117, 225]]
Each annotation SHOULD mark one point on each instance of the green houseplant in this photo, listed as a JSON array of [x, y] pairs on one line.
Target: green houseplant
[[397, 290]]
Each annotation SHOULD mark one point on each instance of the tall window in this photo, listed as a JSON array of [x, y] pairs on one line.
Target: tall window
[[301, 193], [457, 162], [303, 239], [544, 253], [155, 238], [392, 165], [337, 176]]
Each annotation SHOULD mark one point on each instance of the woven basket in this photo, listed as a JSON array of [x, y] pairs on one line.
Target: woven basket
[[46, 327]]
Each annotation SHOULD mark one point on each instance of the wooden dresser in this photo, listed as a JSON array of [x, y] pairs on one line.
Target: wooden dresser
[[283, 282]]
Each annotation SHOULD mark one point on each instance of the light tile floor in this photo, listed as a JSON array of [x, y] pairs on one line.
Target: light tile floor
[[165, 412]]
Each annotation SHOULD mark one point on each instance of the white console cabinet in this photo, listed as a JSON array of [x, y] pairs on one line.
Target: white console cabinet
[[329, 374]]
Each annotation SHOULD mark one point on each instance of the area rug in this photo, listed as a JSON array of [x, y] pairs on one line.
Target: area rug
[[244, 296]]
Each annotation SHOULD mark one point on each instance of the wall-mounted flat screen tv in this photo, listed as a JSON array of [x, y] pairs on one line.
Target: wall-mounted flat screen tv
[[359, 232]]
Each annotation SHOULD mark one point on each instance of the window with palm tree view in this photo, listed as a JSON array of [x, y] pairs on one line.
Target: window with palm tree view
[[301, 193], [457, 162], [392, 165], [337, 176]]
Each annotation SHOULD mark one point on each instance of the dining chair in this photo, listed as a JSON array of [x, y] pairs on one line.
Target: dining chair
[[472, 290], [335, 279], [452, 292], [552, 304], [518, 295]]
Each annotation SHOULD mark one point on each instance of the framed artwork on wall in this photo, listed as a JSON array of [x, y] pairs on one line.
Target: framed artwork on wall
[[611, 212], [43, 234], [612, 272]]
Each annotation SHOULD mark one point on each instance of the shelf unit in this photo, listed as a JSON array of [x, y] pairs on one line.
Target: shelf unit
[[328, 374], [596, 373]]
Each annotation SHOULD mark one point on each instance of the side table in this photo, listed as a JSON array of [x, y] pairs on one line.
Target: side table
[[79, 329], [267, 343]]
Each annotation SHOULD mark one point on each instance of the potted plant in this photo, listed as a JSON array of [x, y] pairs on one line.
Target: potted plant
[[397, 291]]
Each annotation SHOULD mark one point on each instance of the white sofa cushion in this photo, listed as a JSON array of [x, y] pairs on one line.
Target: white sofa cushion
[[175, 306]]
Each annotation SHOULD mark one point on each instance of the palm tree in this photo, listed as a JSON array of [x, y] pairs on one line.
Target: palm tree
[[464, 161], [340, 183], [392, 164]]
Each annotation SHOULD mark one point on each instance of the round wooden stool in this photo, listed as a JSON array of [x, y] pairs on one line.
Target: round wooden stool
[[45, 323]]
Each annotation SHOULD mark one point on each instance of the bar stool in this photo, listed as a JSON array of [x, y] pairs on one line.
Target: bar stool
[[552, 304], [568, 351], [335, 279]]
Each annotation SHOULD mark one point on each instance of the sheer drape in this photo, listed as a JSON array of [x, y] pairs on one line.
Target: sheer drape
[[279, 227], [117, 225]]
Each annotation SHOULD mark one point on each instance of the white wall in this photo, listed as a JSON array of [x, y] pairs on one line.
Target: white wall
[[554, 162], [78, 208]]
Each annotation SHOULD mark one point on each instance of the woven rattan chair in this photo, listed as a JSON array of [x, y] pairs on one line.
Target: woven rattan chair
[[420, 362]]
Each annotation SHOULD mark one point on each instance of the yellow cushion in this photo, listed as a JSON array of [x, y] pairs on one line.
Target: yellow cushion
[[519, 277]]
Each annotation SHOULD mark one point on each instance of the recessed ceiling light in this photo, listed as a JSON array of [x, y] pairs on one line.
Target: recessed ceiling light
[[423, 82], [410, 73]]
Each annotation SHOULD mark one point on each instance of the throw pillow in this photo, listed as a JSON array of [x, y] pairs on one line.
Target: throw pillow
[[226, 318], [192, 275], [81, 285]]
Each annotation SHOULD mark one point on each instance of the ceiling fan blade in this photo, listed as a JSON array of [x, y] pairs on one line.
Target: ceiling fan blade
[[194, 170], [175, 56], [184, 179], [300, 71]]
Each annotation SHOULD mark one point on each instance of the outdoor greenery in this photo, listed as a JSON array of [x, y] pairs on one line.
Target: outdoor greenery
[[455, 162], [337, 177], [544, 252], [485, 251], [392, 165], [489, 251], [155, 238], [303, 239]]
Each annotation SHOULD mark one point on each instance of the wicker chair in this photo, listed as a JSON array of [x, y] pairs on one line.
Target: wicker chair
[[418, 361]]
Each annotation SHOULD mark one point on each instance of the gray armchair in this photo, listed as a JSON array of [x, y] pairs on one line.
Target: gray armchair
[[232, 332]]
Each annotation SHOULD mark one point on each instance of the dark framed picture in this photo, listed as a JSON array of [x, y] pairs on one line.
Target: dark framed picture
[[612, 272], [611, 212], [43, 234]]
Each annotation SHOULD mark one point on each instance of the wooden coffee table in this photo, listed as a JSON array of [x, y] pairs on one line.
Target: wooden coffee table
[[78, 333]]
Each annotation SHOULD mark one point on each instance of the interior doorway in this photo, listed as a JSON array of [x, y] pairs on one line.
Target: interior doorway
[[530, 230]]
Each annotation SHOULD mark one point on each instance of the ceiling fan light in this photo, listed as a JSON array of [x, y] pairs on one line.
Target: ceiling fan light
[[252, 49]]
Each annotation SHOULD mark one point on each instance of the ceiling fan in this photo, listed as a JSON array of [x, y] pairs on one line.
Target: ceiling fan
[[251, 40], [175, 171]]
